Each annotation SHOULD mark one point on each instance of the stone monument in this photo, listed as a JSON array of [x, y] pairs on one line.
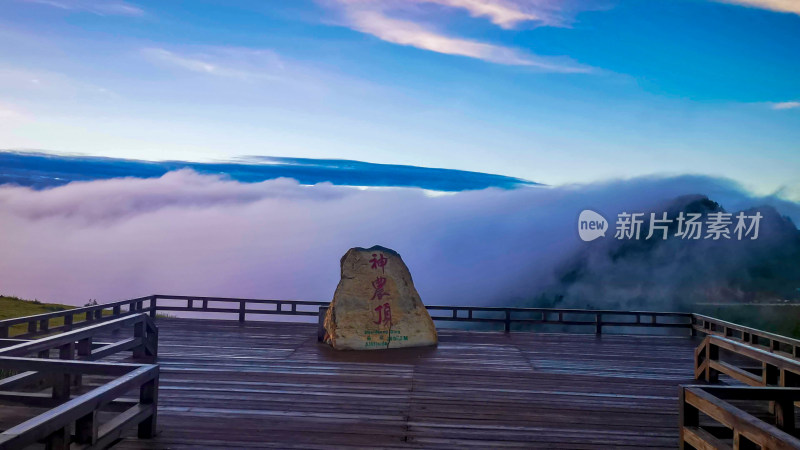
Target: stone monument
[[375, 305]]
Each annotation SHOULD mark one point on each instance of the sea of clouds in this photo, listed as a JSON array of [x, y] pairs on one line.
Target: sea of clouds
[[193, 234]]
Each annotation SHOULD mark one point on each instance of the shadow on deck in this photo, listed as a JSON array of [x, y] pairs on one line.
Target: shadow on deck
[[272, 385]]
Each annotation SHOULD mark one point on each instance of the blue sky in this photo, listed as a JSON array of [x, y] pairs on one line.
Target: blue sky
[[550, 91]]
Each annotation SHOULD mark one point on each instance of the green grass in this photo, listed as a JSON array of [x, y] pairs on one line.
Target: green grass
[[11, 307]]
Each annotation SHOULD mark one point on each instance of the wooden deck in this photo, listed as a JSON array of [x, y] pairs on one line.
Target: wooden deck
[[271, 385]]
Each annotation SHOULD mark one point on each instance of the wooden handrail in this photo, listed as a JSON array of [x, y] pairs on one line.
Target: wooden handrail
[[563, 316], [775, 370], [39, 324], [80, 413], [78, 344], [741, 427], [549, 316], [506, 316], [772, 342], [76, 336], [282, 307]]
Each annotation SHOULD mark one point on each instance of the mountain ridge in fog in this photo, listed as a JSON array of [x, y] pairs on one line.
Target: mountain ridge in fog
[[44, 170], [676, 273]]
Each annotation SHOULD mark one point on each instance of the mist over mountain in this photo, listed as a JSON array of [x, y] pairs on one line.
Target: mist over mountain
[[198, 234], [41, 170], [676, 273]]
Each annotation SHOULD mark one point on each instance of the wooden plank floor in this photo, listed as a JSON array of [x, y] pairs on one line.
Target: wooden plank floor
[[271, 385]]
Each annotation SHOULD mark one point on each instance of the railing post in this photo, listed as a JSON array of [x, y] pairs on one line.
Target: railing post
[[688, 416], [153, 307], [712, 354], [117, 310], [68, 322], [86, 429], [598, 323], [148, 395], [139, 332], [323, 311], [3, 332], [58, 440], [507, 324], [784, 415], [32, 327], [152, 338], [62, 382], [241, 311], [84, 352], [700, 357]]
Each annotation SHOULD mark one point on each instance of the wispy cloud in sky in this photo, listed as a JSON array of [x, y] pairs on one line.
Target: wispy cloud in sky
[[102, 8], [503, 13], [398, 23], [38, 83], [785, 105], [788, 6], [11, 113], [229, 62]]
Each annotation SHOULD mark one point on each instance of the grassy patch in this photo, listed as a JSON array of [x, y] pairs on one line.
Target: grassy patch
[[11, 307]]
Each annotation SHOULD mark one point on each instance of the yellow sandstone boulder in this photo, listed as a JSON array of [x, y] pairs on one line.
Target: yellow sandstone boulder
[[375, 305]]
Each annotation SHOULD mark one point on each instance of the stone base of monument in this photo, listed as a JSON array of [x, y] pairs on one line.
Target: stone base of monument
[[376, 306]]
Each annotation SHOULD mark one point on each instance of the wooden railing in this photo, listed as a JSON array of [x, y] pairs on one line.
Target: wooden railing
[[734, 428], [80, 413], [771, 342], [243, 306], [64, 375], [597, 319], [768, 377], [40, 324], [771, 369], [775, 354]]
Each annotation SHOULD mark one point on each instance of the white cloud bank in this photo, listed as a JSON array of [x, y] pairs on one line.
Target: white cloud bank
[[192, 234]]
